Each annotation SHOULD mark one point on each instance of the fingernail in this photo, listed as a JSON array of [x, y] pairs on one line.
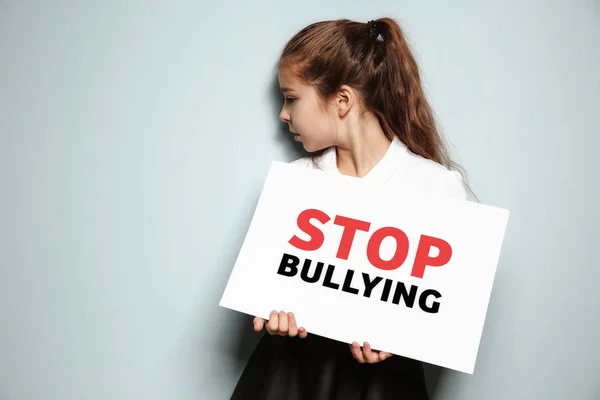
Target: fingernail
[[383, 356]]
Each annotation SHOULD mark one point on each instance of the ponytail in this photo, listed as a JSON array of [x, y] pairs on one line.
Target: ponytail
[[398, 100]]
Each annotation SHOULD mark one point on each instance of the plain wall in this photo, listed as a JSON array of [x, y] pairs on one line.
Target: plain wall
[[135, 137]]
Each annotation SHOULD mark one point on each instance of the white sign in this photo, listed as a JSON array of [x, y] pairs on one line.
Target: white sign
[[357, 261]]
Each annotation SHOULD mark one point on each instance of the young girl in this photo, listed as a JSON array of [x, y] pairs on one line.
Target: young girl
[[353, 98]]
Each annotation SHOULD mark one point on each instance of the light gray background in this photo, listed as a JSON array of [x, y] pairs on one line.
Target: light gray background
[[134, 140]]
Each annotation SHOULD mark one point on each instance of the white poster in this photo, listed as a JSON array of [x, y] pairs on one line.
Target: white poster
[[410, 273]]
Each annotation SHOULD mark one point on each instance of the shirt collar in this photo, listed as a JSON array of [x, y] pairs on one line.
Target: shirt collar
[[380, 171]]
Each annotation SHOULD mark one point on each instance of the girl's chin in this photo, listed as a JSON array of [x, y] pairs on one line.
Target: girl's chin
[[307, 145], [311, 149]]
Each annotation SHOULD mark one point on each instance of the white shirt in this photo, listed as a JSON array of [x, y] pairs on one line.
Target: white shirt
[[401, 167]]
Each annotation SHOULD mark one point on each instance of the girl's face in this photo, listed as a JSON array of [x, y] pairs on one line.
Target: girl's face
[[312, 121]]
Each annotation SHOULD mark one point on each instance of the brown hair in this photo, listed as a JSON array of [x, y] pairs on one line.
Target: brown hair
[[375, 60]]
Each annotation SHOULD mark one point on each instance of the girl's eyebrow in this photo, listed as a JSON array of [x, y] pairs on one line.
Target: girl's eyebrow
[[285, 89]]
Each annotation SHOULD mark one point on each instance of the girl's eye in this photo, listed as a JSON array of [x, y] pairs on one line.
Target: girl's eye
[[289, 99]]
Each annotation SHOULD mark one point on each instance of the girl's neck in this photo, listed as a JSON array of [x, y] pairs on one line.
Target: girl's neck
[[361, 149]]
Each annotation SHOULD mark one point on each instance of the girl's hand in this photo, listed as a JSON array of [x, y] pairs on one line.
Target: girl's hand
[[282, 324], [366, 354]]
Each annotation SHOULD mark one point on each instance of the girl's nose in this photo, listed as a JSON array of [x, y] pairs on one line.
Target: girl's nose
[[284, 116]]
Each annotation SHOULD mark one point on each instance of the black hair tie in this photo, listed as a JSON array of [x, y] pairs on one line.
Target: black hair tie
[[374, 32]]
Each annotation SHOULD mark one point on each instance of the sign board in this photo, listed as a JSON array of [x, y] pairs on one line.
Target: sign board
[[360, 261]]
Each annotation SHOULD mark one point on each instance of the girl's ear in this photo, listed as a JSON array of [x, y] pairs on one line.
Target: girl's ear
[[346, 97]]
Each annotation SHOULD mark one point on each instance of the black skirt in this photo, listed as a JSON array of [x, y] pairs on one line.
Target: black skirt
[[317, 368]]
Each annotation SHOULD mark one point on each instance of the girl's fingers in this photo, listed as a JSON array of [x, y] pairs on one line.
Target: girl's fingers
[[292, 326], [258, 324], [369, 355], [366, 354], [357, 352], [283, 324], [302, 333], [273, 323], [280, 323]]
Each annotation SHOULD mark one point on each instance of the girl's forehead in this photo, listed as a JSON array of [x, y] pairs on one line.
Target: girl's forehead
[[288, 79]]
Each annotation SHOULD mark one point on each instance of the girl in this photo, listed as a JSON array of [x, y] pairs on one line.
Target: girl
[[353, 98]]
